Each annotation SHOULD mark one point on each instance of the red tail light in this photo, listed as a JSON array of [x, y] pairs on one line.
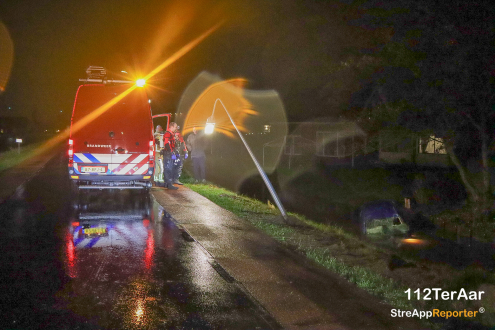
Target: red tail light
[[70, 152], [152, 151]]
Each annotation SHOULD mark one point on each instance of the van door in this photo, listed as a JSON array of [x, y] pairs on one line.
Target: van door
[[163, 120], [131, 140]]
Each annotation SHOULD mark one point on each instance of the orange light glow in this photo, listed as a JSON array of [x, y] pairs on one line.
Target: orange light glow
[[6, 56], [231, 93], [146, 177], [74, 176], [415, 241], [50, 144], [181, 52]]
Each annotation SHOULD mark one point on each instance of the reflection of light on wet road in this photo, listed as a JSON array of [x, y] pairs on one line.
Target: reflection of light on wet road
[[71, 255], [416, 244], [137, 307], [110, 251], [414, 241], [139, 312], [150, 250], [201, 275]]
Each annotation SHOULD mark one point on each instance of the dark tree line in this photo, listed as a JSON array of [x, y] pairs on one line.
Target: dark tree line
[[435, 76]]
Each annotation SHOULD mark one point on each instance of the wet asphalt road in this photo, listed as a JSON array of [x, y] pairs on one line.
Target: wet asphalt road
[[108, 260]]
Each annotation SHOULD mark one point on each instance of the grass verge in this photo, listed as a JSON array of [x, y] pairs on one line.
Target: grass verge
[[13, 157]]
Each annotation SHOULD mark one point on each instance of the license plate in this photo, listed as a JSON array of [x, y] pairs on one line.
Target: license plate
[[93, 169]]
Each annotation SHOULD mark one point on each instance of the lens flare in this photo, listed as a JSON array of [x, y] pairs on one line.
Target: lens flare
[[140, 82], [208, 99], [199, 99], [6, 56], [181, 52], [63, 136]]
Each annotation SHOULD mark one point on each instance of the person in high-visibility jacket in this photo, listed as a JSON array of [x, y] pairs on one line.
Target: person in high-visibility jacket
[[158, 156], [169, 156]]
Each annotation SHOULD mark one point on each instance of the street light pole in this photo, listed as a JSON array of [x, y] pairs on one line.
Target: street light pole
[[209, 129]]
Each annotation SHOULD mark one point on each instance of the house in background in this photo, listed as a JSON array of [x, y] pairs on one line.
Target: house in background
[[338, 142], [410, 148], [346, 143]]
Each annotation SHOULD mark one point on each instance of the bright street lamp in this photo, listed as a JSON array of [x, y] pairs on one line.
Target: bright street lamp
[[210, 126]]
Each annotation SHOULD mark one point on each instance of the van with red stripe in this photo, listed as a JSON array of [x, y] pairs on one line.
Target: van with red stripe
[[111, 143]]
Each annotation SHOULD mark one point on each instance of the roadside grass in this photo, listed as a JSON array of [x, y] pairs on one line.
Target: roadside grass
[[13, 157], [360, 261]]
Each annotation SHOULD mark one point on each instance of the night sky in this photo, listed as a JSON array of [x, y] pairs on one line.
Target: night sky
[[289, 46]]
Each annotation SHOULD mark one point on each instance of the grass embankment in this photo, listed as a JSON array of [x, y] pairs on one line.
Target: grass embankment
[[13, 157], [360, 261]]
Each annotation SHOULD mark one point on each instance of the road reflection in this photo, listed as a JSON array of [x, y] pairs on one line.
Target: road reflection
[[115, 219], [110, 255]]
